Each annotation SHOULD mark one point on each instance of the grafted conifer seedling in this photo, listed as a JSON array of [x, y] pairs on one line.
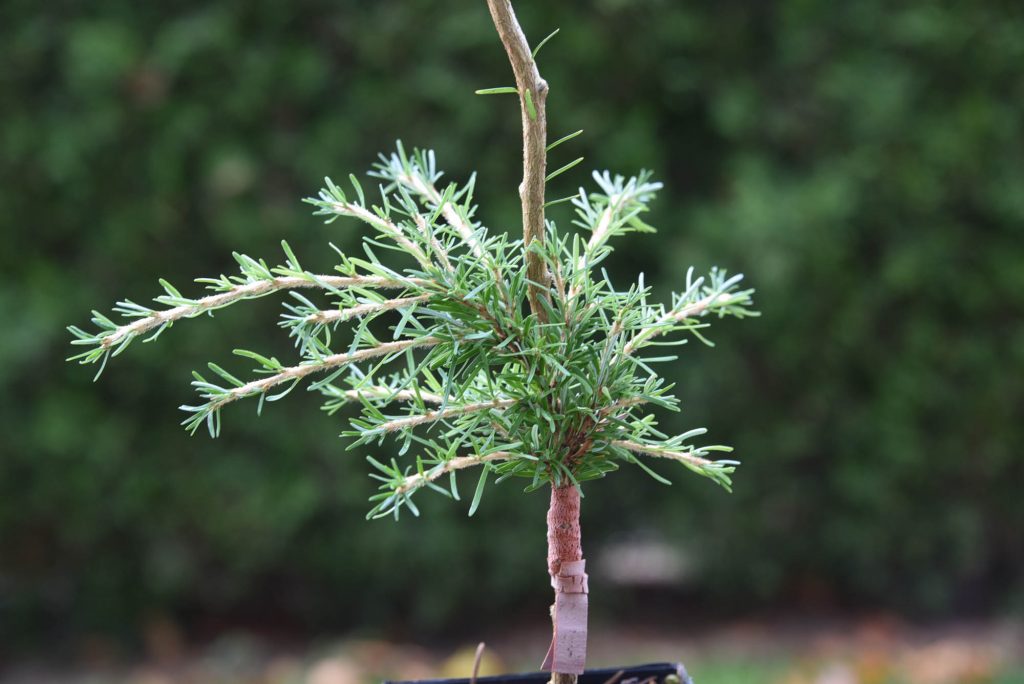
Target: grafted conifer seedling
[[520, 359]]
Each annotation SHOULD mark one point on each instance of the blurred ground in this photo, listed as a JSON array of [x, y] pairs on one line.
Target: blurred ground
[[876, 650]]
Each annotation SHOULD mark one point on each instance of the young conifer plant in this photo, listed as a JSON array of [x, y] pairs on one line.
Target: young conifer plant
[[517, 358]]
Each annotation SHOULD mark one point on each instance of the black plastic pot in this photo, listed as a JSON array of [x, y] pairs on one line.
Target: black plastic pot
[[654, 673]]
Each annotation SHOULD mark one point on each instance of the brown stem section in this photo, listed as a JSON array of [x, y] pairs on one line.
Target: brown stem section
[[563, 527], [533, 95], [564, 543]]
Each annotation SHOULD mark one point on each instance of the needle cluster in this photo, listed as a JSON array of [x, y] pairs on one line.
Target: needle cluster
[[431, 335]]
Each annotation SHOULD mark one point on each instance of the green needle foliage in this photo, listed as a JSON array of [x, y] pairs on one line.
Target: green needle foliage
[[465, 376]]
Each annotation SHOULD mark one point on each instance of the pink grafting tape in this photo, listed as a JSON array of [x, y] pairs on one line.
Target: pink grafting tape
[[568, 650]]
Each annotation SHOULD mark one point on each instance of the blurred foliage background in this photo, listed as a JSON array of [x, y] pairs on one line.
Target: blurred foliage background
[[862, 163]]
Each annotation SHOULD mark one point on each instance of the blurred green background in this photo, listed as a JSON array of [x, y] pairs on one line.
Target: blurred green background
[[862, 163]]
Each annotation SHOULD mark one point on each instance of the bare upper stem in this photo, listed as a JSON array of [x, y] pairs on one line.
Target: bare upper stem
[[533, 94]]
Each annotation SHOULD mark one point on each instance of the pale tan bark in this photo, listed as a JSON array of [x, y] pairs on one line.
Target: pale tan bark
[[533, 95]]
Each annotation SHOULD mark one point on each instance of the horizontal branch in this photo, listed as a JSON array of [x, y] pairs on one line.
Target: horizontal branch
[[686, 457], [248, 291], [458, 463], [432, 416], [326, 363], [338, 315], [382, 392]]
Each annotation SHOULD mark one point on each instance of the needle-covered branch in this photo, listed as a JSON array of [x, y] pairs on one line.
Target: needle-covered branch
[[398, 486], [218, 396], [376, 393], [414, 482], [310, 324], [691, 457], [721, 297], [333, 203], [613, 211], [339, 315], [256, 279], [418, 175]]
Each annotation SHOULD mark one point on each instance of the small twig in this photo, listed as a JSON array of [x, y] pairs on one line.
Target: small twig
[[437, 247], [682, 314], [598, 236], [427, 191], [476, 662], [385, 226]]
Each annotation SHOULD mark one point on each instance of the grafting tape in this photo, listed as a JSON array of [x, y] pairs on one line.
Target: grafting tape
[[568, 650]]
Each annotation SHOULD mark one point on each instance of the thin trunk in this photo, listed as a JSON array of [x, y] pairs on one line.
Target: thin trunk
[[567, 655]]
